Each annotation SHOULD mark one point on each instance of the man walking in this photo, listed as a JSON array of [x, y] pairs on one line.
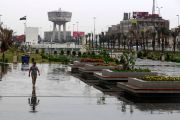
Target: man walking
[[33, 70]]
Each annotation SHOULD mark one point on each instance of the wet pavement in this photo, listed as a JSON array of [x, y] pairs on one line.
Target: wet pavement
[[58, 95]]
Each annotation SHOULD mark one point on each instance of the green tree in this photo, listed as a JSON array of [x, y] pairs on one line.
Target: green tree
[[174, 35], [5, 39]]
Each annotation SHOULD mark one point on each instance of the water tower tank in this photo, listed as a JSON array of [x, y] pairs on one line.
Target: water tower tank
[[59, 17]]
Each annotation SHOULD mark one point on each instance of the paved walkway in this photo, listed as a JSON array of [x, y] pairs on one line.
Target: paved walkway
[[63, 97]]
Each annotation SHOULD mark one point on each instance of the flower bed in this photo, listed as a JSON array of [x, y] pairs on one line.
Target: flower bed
[[132, 70], [103, 64], [160, 78], [91, 60]]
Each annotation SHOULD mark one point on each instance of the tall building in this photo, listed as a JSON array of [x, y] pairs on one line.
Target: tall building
[[31, 35], [141, 21]]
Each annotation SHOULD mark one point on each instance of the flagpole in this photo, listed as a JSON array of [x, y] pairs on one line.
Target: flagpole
[[25, 25]]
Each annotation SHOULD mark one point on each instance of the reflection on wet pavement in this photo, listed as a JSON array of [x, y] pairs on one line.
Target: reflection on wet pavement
[[33, 101]]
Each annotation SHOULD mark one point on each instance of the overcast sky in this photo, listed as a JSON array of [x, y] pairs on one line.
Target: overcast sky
[[107, 12]]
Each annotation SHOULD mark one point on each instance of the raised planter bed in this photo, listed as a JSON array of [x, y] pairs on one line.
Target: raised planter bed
[[91, 67], [110, 73], [139, 86], [87, 72], [77, 64], [154, 84]]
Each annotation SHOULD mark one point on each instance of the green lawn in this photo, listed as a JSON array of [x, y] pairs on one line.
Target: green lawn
[[9, 56]]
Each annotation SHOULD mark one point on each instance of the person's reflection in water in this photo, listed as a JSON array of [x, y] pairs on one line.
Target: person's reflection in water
[[33, 101], [101, 100]]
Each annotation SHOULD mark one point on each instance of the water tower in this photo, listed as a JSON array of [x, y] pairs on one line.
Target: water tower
[[59, 18]]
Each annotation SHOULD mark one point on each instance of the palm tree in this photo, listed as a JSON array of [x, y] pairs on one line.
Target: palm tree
[[96, 42], [86, 38], [5, 39], [103, 39], [124, 40], [100, 41], [119, 39], [143, 39], [159, 34], [131, 36], [92, 39], [108, 41], [147, 35], [89, 35], [112, 38], [164, 35], [174, 35], [153, 33]]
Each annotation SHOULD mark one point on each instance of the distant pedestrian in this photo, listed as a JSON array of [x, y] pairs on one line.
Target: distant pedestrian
[[33, 71]]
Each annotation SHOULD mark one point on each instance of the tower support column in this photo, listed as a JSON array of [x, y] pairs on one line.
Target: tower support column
[[59, 34], [54, 32], [64, 31]]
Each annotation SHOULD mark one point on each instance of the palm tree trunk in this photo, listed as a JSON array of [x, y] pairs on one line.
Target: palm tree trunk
[[153, 41], [3, 57], [147, 43], [89, 43], [163, 45], [137, 47], [174, 44]]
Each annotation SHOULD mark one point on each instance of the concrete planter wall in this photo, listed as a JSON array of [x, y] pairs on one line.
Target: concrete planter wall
[[78, 63], [107, 72], [81, 64], [153, 84], [90, 67]]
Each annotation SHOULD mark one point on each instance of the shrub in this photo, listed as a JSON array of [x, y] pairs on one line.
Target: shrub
[[68, 52], [140, 54], [74, 53], [62, 52], [127, 60], [79, 54], [84, 55]]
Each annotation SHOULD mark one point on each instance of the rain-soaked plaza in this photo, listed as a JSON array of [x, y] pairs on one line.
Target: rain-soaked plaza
[[59, 95]]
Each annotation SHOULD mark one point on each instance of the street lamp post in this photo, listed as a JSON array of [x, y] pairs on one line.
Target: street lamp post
[[159, 10], [77, 33], [94, 35], [0, 20], [178, 19], [73, 27]]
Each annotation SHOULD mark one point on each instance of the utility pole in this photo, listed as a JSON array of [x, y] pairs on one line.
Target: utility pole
[[0, 20], [178, 19], [94, 35], [73, 27], [77, 33], [153, 9]]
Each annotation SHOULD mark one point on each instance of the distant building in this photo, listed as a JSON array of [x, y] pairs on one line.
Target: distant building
[[19, 39], [78, 34], [31, 35], [142, 20], [48, 36]]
